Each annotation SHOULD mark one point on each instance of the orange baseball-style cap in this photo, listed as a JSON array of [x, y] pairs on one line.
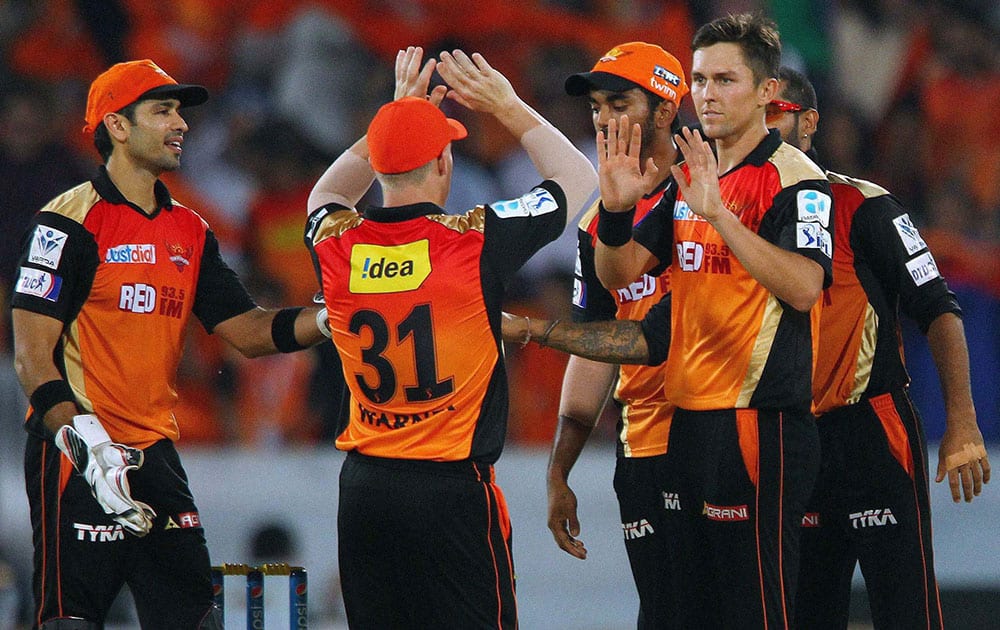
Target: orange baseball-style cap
[[632, 65], [409, 133], [127, 82]]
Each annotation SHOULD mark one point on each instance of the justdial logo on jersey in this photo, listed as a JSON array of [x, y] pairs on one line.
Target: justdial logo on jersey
[[389, 268], [144, 254]]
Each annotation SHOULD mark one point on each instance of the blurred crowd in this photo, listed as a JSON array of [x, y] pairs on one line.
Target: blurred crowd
[[908, 92]]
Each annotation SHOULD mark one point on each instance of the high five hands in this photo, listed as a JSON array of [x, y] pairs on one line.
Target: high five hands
[[622, 179], [700, 186]]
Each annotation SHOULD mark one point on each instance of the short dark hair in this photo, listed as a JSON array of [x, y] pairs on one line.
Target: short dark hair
[[102, 139], [797, 88], [756, 35]]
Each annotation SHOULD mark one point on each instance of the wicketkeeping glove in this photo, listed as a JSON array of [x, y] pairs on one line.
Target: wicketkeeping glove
[[105, 465]]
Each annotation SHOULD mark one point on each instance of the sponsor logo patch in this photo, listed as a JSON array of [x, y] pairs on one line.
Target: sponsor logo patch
[[683, 212], [99, 533], [872, 518], [814, 207], [579, 293], [39, 284], [923, 269], [666, 75], [728, 513], [535, 203], [144, 254], [671, 501], [47, 246], [908, 234], [636, 529], [643, 287], [813, 236], [389, 269]]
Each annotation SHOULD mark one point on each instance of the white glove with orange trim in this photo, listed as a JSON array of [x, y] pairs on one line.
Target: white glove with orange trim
[[105, 465]]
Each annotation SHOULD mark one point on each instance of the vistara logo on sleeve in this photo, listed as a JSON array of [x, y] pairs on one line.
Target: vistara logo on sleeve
[[389, 269], [534, 203], [47, 247], [814, 207]]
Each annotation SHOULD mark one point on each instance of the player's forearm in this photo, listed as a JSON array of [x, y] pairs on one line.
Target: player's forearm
[[345, 181], [618, 341], [791, 277], [555, 158], [570, 438], [619, 267], [946, 339]]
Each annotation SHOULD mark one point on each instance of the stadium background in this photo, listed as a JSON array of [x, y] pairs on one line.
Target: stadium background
[[908, 93]]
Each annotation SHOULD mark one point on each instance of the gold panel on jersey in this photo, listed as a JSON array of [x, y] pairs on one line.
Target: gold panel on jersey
[[335, 224], [75, 203], [389, 268], [793, 166], [868, 189], [866, 355], [761, 350], [474, 219]]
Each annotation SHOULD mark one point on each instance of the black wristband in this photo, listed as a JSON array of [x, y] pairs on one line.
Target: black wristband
[[615, 228], [48, 395], [283, 330]]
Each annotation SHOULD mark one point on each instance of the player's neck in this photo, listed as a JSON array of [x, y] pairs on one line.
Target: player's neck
[[134, 183], [734, 148]]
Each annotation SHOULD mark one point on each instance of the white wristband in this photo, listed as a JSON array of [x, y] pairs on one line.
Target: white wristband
[[323, 323]]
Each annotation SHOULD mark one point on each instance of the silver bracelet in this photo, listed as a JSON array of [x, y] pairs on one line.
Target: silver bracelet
[[323, 323]]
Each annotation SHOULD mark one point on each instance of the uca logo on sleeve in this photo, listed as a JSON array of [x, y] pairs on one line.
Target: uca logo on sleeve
[[923, 269], [389, 268], [39, 283], [47, 247], [814, 207], [535, 203], [908, 234]]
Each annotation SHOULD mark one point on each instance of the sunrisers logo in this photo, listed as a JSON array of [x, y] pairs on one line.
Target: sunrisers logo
[[389, 269]]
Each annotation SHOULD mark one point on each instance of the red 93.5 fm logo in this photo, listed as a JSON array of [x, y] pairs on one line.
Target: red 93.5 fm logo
[[137, 297]]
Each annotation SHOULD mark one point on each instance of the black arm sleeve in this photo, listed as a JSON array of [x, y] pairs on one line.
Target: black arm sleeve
[[220, 294], [900, 260], [656, 330]]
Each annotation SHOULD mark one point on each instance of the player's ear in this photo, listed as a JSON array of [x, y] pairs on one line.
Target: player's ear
[[809, 122], [666, 111]]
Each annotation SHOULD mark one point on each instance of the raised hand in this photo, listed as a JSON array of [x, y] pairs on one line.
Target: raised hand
[[619, 169], [475, 84], [701, 186], [414, 80]]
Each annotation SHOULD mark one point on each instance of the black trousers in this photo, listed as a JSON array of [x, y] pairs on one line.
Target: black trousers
[[742, 478], [870, 505], [424, 545]]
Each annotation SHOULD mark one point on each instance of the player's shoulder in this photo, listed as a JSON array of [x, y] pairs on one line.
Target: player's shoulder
[[331, 221], [868, 190], [794, 167], [74, 204]]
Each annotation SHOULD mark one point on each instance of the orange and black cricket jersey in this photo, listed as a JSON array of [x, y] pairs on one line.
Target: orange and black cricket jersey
[[879, 261], [414, 302], [645, 415], [124, 284], [733, 343]]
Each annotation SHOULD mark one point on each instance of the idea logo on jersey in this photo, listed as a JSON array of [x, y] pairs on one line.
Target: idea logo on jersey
[[389, 269]]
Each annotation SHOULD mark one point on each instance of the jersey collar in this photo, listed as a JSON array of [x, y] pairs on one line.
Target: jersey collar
[[402, 213], [107, 190]]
